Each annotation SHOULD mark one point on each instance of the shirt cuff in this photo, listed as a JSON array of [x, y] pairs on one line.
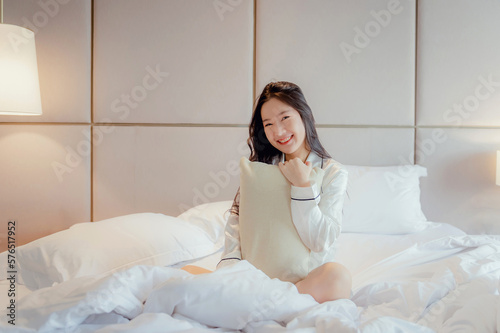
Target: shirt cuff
[[310, 193], [227, 262]]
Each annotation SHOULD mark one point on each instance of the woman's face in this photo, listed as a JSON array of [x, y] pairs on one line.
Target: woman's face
[[284, 129]]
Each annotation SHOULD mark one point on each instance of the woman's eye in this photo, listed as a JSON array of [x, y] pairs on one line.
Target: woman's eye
[[285, 117], [267, 124]]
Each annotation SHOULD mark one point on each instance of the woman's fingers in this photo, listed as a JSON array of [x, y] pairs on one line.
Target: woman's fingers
[[296, 171]]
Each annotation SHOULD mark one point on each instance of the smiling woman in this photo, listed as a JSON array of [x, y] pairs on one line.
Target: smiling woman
[[292, 99], [284, 129], [282, 133]]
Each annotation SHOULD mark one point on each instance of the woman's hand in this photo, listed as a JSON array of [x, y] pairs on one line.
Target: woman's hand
[[296, 171]]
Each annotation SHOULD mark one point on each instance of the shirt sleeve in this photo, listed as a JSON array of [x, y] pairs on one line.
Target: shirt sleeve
[[317, 211], [232, 248]]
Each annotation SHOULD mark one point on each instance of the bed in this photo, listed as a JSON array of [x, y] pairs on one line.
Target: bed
[[123, 274]]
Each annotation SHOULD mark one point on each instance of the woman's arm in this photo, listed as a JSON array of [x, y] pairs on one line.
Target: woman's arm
[[318, 216], [232, 249]]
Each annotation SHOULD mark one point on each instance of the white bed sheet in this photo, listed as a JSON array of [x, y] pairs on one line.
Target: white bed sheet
[[436, 280], [358, 251]]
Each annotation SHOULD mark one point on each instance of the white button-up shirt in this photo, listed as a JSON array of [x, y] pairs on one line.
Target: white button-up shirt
[[316, 213]]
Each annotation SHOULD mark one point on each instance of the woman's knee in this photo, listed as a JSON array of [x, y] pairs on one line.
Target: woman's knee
[[328, 282], [338, 281], [338, 272]]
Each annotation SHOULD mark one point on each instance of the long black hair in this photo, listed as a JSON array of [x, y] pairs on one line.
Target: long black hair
[[261, 149]]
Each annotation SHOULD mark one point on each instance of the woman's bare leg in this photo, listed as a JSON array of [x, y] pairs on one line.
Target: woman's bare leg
[[195, 269], [327, 282]]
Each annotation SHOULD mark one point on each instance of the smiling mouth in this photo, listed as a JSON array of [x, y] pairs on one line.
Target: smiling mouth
[[285, 140]]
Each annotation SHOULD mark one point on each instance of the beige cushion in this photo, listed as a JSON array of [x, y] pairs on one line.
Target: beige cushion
[[269, 239]]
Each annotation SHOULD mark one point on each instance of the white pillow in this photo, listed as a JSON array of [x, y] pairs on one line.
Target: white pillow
[[384, 200], [210, 217], [110, 245]]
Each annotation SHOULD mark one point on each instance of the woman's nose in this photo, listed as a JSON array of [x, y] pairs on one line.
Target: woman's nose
[[279, 129]]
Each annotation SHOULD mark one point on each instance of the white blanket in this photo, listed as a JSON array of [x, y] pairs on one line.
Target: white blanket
[[444, 285]]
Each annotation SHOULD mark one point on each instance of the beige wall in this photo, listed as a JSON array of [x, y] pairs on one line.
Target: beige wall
[[146, 103]]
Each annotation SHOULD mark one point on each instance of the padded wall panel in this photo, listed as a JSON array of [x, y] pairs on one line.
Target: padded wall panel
[[460, 188], [168, 61], [165, 169], [458, 71], [45, 179], [63, 45], [355, 60], [369, 146]]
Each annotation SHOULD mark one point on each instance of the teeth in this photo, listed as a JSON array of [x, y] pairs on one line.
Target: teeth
[[284, 140]]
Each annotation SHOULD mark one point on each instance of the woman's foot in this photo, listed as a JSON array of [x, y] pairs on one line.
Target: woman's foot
[[195, 269]]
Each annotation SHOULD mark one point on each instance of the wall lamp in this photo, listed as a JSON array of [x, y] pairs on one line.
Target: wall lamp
[[19, 85]]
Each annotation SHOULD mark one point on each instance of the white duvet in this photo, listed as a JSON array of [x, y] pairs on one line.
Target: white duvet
[[443, 284]]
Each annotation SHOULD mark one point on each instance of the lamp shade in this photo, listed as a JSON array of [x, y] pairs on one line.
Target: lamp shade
[[19, 86], [498, 167]]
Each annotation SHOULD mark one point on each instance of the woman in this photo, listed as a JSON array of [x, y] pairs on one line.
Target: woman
[[282, 132]]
